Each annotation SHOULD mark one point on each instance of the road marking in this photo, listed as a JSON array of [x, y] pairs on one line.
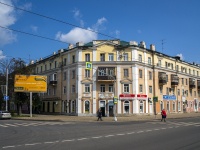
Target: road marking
[[163, 128], [8, 147], [156, 129], [176, 126], [131, 133], [108, 135], [120, 134], [67, 140], [140, 131], [97, 137], [51, 142], [148, 130], [32, 144], [3, 126], [82, 139], [170, 127]]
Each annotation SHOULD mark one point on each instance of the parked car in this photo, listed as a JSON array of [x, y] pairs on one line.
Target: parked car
[[5, 114]]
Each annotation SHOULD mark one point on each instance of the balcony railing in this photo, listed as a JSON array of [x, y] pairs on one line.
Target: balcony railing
[[162, 78], [103, 95], [53, 82], [106, 73], [174, 80]]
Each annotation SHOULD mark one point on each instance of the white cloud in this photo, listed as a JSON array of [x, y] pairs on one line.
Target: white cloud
[[7, 18], [34, 28], [77, 35], [1, 55], [78, 16], [80, 35], [181, 56]]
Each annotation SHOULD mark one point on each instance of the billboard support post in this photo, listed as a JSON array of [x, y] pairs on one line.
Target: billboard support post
[[31, 104]]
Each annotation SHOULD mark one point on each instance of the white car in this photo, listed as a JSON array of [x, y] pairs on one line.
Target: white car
[[5, 114]]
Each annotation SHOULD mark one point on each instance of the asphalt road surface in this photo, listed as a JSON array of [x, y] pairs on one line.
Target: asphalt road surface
[[175, 134]]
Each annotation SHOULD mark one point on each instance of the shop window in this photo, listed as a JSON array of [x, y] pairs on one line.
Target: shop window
[[126, 107], [87, 107], [174, 106], [141, 107]]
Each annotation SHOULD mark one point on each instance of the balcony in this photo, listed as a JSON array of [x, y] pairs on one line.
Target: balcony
[[198, 84], [174, 80], [162, 76], [106, 74], [53, 82], [191, 83], [104, 95]]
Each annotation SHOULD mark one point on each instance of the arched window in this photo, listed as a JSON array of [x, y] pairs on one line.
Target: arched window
[[87, 106], [126, 107]]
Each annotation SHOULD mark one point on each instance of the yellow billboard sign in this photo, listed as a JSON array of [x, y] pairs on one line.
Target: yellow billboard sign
[[30, 83]]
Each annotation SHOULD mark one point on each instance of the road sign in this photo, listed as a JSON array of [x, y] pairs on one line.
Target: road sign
[[88, 65], [155, 99], [115, 99], [6, 98], [30, 83]]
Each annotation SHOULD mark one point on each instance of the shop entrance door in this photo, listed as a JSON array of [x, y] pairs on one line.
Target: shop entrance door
[[102, 107]]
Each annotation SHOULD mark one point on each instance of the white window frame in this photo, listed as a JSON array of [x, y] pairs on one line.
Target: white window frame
[[126, 88], [87, 88], [110, 57]]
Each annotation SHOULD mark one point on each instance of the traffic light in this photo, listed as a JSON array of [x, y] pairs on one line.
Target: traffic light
[[115, 99], [89, 65]]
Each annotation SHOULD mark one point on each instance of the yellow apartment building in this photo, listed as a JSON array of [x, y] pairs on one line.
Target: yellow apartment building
[[144, 80]]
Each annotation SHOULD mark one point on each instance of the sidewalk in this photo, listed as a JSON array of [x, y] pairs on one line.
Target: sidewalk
[[138, 117]]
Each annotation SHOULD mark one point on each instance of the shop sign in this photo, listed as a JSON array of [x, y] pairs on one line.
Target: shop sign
[[126, 96], [141, 96], [169, 97]]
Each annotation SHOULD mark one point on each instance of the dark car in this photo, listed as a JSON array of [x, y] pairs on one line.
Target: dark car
[[5, 114]]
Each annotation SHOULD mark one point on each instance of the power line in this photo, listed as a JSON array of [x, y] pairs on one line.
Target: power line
[[57, 20], [33, 34]]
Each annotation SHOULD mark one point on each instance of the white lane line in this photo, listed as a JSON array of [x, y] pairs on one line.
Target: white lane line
[[3, 126], [120, 134], [176, 126], [8, 147], [11, 125], [131, 133], [108, 135], [148, 130], [51, 142], [82, 139], [67, 140], [156, 129], [32, 144], [170, 127], [140, 131], [163, 128], [97, 137]]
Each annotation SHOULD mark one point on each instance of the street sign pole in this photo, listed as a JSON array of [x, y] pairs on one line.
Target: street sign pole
[[31, 104]]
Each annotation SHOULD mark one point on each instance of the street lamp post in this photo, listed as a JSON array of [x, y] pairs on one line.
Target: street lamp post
[[6, 65]]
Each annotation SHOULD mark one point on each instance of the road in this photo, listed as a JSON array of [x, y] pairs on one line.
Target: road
[[175, 134]]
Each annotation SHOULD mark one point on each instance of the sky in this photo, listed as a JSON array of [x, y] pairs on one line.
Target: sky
[[173, 26]]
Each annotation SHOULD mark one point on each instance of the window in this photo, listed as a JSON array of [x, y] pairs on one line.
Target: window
[[165, 64], [140, 58], [161, 89], [49, 92], [150, 89], [183, 93], [126, 88], [65, 61], [111, 88], [111, 71], [125, 56], [73, 88], [64, 89], [102, 57], [189, 71], [87, 57], [186, 82], [54, 91], [197, 73], [65, 75], [172, 66], [178, 92], [37, 69], [140, 88], [50, 66], [45, 67], [73, 74], [190, 92], [125, 72], [101, 71], [149, 60], [173, 105], [102, 88], [150, 75], [53, 77], [159, 63], [167, 90], [73, 59], [87, 88], [87, 73], [193, 72], [87, 106], [41, 69], [110, 57], [55, 64], [140, 73], [182, 81], [126, 107]]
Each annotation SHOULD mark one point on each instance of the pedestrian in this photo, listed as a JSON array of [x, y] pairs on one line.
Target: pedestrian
[[99, 115], [164, 115]]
